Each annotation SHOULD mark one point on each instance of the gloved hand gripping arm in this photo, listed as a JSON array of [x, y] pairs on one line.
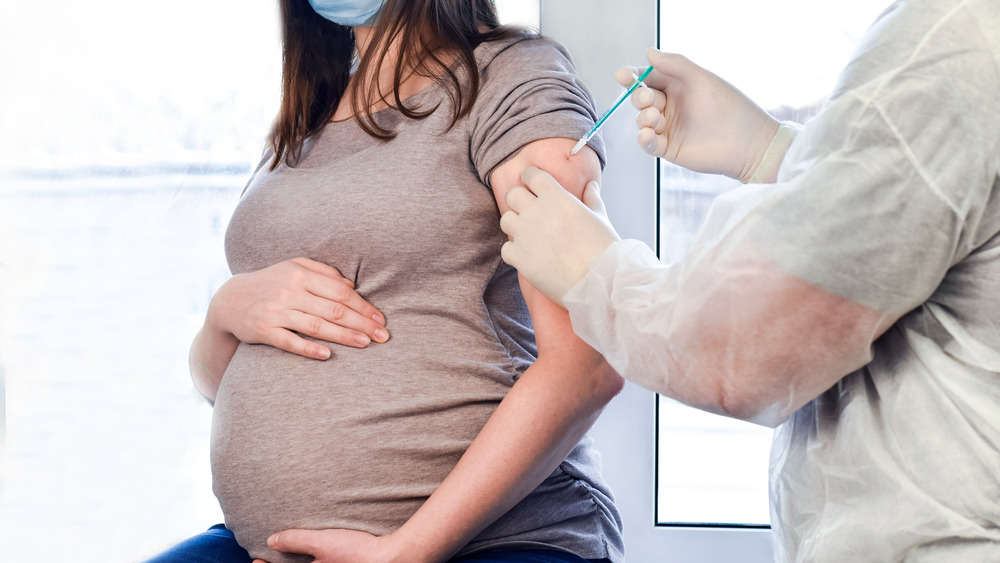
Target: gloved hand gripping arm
[[554, 236]]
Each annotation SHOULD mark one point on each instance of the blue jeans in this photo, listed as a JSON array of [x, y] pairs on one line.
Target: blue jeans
[[524, 556], [218, 545]]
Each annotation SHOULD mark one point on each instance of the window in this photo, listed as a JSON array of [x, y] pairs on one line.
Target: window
[[127, 139], [789, 56], [782, 53], [519, 12]]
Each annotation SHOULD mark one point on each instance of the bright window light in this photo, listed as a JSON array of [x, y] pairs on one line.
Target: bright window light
[[519, 12]]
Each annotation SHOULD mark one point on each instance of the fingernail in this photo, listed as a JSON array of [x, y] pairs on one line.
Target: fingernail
[[381, 335], [378, 318], [273, 540], [324, 353], [362, 339]]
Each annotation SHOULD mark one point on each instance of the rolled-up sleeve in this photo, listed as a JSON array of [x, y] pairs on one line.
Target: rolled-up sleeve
[[530, 91]]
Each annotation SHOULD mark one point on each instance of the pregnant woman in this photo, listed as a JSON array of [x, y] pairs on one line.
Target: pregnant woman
[[463, 434]]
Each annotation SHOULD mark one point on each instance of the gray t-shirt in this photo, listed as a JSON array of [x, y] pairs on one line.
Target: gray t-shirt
[[361, 440]]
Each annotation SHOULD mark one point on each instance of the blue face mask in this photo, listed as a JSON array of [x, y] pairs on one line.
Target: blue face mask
[[348, 13]]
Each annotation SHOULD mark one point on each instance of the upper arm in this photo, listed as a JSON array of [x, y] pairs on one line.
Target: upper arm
[[553, 330], [551, 155], [532, 89]]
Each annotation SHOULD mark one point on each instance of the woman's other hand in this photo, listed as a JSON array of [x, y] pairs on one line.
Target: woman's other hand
[[299, 296], [275, 306], [339, 546], [695, 119]]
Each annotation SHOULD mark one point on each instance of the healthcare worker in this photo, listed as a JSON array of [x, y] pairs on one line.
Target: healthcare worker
[[850, 296]]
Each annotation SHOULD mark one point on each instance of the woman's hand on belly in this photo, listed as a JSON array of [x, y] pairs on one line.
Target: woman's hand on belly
[[276, 304], [337, 546]]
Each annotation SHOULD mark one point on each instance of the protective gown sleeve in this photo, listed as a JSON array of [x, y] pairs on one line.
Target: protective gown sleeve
[[786, 286]]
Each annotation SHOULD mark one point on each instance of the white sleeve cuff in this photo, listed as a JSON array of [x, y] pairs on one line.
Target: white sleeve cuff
[[622, 273]]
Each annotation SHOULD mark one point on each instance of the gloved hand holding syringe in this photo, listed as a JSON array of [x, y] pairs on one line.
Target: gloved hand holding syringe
[[607, 114]]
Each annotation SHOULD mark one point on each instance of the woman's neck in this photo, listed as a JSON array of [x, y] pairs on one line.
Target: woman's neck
[[410, 84], [362, 38]]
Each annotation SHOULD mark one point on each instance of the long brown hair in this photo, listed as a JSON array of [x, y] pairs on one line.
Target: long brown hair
[[318, 56]]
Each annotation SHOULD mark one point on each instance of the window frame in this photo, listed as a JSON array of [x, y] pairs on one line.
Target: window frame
[[627, 432]]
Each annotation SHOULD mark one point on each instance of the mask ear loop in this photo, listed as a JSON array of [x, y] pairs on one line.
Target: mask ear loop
[[356, 55]]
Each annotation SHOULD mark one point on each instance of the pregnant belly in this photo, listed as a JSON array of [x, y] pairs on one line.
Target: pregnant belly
[[357, 442]]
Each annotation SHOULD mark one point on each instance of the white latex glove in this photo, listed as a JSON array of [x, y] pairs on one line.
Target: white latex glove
[[553, 235], [695, 119]]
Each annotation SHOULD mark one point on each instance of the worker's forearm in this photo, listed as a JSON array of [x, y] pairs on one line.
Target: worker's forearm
[[535, 427], [739, 337]]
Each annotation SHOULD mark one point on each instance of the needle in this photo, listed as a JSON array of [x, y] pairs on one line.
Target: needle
[[607, 114]]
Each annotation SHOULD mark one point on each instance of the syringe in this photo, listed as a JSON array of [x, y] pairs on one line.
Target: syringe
[[607, 114]]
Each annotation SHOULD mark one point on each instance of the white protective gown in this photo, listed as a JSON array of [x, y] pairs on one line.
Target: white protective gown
[[888, 439]]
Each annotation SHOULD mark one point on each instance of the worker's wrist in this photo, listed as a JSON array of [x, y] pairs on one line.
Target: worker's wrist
[[598, 265], [766, 171]]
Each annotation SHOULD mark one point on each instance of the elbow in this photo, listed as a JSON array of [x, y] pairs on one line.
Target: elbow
[[603, 389], [612, 387], [733, 379], [744, 405], [608, 384], [759, 400], [745, 396]]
